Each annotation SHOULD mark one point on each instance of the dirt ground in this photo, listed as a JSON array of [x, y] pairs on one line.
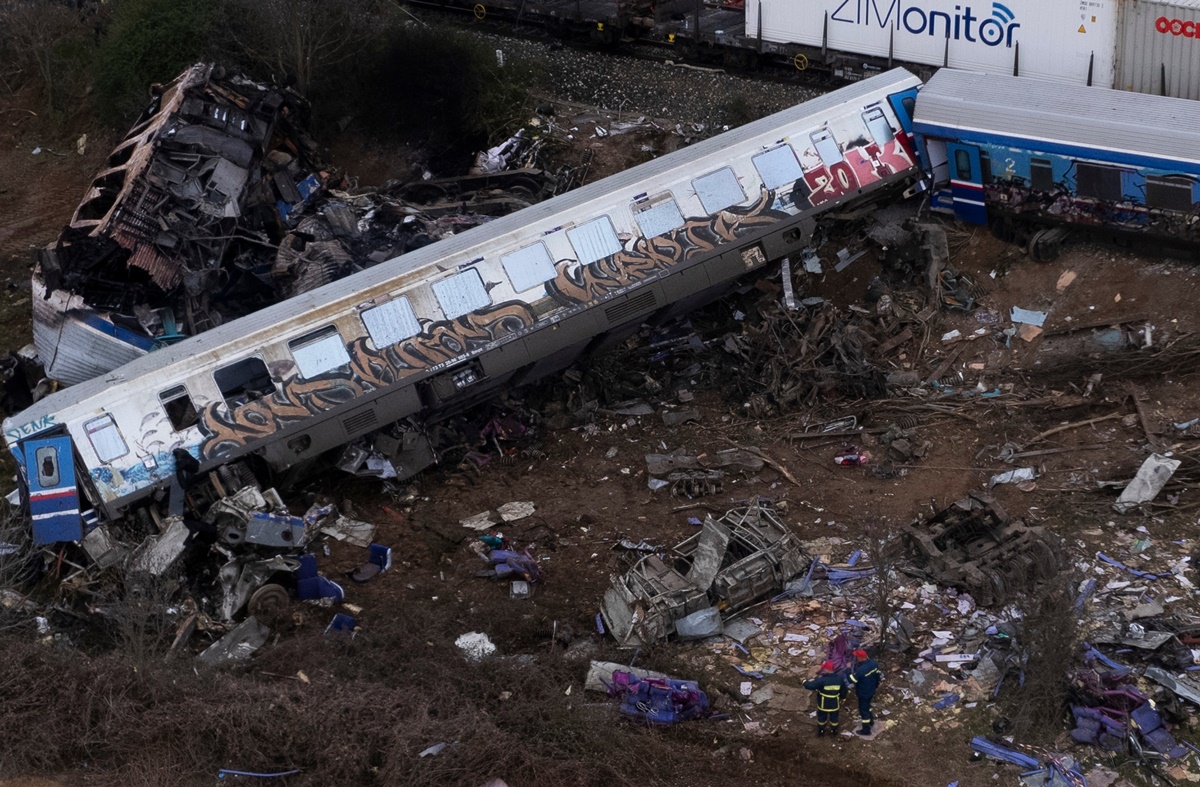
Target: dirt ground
[[589, 483]]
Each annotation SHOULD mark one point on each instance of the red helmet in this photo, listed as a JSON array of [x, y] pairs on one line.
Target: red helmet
[[860, 654], [828, 667]]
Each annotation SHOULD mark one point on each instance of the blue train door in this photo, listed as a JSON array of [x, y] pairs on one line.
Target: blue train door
[[966, 183], [904, 104], [53, 497]]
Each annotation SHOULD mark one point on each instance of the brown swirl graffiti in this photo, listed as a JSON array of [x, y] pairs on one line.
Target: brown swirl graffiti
[[227, 430], [575, 284]]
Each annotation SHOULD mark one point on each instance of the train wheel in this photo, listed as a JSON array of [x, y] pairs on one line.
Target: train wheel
[[1044, 245]]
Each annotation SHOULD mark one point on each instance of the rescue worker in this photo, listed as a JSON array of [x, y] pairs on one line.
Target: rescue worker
[[865, 679], [830, 689]]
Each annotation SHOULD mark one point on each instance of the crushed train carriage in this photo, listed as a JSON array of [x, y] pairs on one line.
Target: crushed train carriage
[[377, 356]]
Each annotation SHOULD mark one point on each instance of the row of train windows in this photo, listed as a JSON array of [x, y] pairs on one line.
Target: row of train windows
[[323, 351], [1096, 181]]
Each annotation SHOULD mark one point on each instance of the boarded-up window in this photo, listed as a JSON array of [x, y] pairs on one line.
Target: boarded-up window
[[461, 294], [1097, 182], [594, 241], [1041, 175], [105, 438], [391, 322], [1169, 193], [319, 352], [528, 267], [243, 381], [179, 408], [659, 218], [778, 167], [718, 190]]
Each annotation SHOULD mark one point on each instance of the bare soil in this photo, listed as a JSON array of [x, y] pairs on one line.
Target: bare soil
[[590, 488]]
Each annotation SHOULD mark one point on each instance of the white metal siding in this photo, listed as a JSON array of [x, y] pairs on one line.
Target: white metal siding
[[1057, 37], [1158, 36], [1092, 117]]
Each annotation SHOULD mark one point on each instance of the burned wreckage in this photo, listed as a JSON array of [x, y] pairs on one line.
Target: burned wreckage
[[215, 204]]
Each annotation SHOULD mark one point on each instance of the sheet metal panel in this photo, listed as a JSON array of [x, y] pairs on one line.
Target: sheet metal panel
[[1130, 124], [1156, 38], [1056, 39]]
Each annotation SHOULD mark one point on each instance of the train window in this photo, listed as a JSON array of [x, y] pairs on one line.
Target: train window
[[1098, 182], [1041, 174], [391, 322], [105, 438], [962, 164], [877, 124], [659, 218], [827, 147], [594, 240], [46, 461], [243, 381], [718, 190], [778, 167], [528, 267], [1169, 193], [319, 352], [179, 408], [461, 294]]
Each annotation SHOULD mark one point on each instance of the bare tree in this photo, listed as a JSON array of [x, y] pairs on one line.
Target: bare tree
[[35, 31], [298, 38], [884, 549]]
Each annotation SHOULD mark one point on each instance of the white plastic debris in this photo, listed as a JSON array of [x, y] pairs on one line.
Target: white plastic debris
[[1027, 316], [1013, 476], [1151, 477], [511, 512], [475, 645], [480, 521]]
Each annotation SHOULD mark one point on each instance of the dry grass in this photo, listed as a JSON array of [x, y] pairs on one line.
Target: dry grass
[[372, 705]]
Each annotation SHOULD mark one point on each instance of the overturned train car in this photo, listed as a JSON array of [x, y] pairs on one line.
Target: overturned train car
[[381, 354], [1034, 159]]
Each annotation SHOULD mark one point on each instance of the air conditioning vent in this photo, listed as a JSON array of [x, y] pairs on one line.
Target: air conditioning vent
[[359, 422], [636, 305]]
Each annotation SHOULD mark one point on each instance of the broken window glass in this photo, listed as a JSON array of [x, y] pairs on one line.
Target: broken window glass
[[594, 240], [105, 438], [528, 267], [319, 352], [391, 322], [244, 381], [179, 408], [718, 190], [1169, 193], [778, 167], [461, 294], [659, 219], [46, 458]]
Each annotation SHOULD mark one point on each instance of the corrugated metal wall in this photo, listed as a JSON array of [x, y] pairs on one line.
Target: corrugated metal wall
[[1154, 37]]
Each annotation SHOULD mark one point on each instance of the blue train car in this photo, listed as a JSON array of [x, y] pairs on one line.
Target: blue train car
[[1031, 157]]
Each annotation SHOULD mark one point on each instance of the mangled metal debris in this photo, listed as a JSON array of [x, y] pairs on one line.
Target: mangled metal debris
[[217, 202], [974, 545], [734, 561]]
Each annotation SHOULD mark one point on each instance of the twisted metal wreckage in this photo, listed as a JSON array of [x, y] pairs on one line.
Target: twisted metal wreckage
[[217, 203]]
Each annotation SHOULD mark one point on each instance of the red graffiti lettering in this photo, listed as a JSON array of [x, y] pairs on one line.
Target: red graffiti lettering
[[1176, 27]]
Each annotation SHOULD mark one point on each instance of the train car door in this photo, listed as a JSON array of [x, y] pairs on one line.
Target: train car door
[[53, 496], [904, 104], [966, 183]]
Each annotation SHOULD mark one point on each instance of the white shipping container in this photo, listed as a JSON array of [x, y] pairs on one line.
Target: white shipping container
[[1158, 39], [1057, 38]]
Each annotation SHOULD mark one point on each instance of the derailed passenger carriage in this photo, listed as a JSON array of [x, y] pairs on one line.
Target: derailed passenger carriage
[[385, 352], [1032, 158]]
